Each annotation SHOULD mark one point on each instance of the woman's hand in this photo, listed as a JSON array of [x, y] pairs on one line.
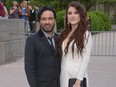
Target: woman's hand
[[77, 83]]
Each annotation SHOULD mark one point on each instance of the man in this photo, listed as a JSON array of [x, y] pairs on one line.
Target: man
[[32, 18], [41, 62]]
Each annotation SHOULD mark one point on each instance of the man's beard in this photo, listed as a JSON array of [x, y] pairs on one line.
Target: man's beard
[[47, 31]]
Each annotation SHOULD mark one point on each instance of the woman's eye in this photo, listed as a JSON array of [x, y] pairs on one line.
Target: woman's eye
[[76, 12], [69, 13]]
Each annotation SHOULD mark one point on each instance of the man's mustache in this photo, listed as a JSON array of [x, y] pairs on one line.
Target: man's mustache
[[47, 24]]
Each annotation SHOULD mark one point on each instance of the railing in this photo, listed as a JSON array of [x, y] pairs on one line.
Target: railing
[[12, 47], [104, 43]]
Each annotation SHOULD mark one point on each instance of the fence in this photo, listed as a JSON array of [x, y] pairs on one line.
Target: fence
[[104, 43], [12, 48]]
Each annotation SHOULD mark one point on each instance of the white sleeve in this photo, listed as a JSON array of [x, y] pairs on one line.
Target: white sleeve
[[85, 56]]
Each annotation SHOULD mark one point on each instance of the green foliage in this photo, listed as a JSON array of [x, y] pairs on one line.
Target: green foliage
[[108, 1], [8, 5], [62, 4], [99, 21], [94, 21], [60, 19], [55, 5], [89, 3]]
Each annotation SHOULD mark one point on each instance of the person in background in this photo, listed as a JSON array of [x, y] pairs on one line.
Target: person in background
[[2, 10], [27, 20], [75, 44], [37, 11], [41, 59], [23, 10], [14, 11], [32, 19], [24, 14], [6, 12]]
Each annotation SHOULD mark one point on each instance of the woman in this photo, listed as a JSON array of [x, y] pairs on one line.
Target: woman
[[75, 45], [14, 11], [25, 14]]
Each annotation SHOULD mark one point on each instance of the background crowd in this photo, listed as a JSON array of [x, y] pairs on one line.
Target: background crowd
[[26, 12]]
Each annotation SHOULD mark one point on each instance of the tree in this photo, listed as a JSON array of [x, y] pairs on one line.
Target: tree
[[62, 4], [89, 3]]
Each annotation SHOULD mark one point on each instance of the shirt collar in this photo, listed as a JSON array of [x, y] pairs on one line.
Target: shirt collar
[[47, 34]]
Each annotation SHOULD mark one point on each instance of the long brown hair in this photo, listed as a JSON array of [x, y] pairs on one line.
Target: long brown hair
[[78, 35]]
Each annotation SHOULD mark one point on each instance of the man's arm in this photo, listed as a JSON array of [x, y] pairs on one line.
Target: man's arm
[[30, 62]]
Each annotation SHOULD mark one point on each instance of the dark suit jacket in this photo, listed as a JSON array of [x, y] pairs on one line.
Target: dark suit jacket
[[32, 16], [41, 62]]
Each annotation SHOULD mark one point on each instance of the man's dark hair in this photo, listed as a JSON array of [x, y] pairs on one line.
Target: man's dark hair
[[45, 8]]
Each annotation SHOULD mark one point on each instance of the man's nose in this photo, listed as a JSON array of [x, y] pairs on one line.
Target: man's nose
[[47, 21]]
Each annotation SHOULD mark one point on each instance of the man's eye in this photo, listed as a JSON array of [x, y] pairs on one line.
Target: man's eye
[[50, 18], [43, 19]]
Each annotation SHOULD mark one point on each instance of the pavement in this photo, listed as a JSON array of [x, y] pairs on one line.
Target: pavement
[[12, 74], [102, 73]]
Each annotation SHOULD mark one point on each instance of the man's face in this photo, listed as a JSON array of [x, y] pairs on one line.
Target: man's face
[[29, 7], [47, 21]]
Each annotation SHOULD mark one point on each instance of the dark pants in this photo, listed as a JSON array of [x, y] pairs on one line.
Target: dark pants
[[32, 26]]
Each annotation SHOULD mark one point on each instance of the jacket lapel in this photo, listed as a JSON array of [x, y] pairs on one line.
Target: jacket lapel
[[45, 41], [55, 39]]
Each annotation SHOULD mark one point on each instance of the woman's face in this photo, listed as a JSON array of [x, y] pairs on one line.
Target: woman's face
[[24, 4], [15, 3], [73, 16]]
